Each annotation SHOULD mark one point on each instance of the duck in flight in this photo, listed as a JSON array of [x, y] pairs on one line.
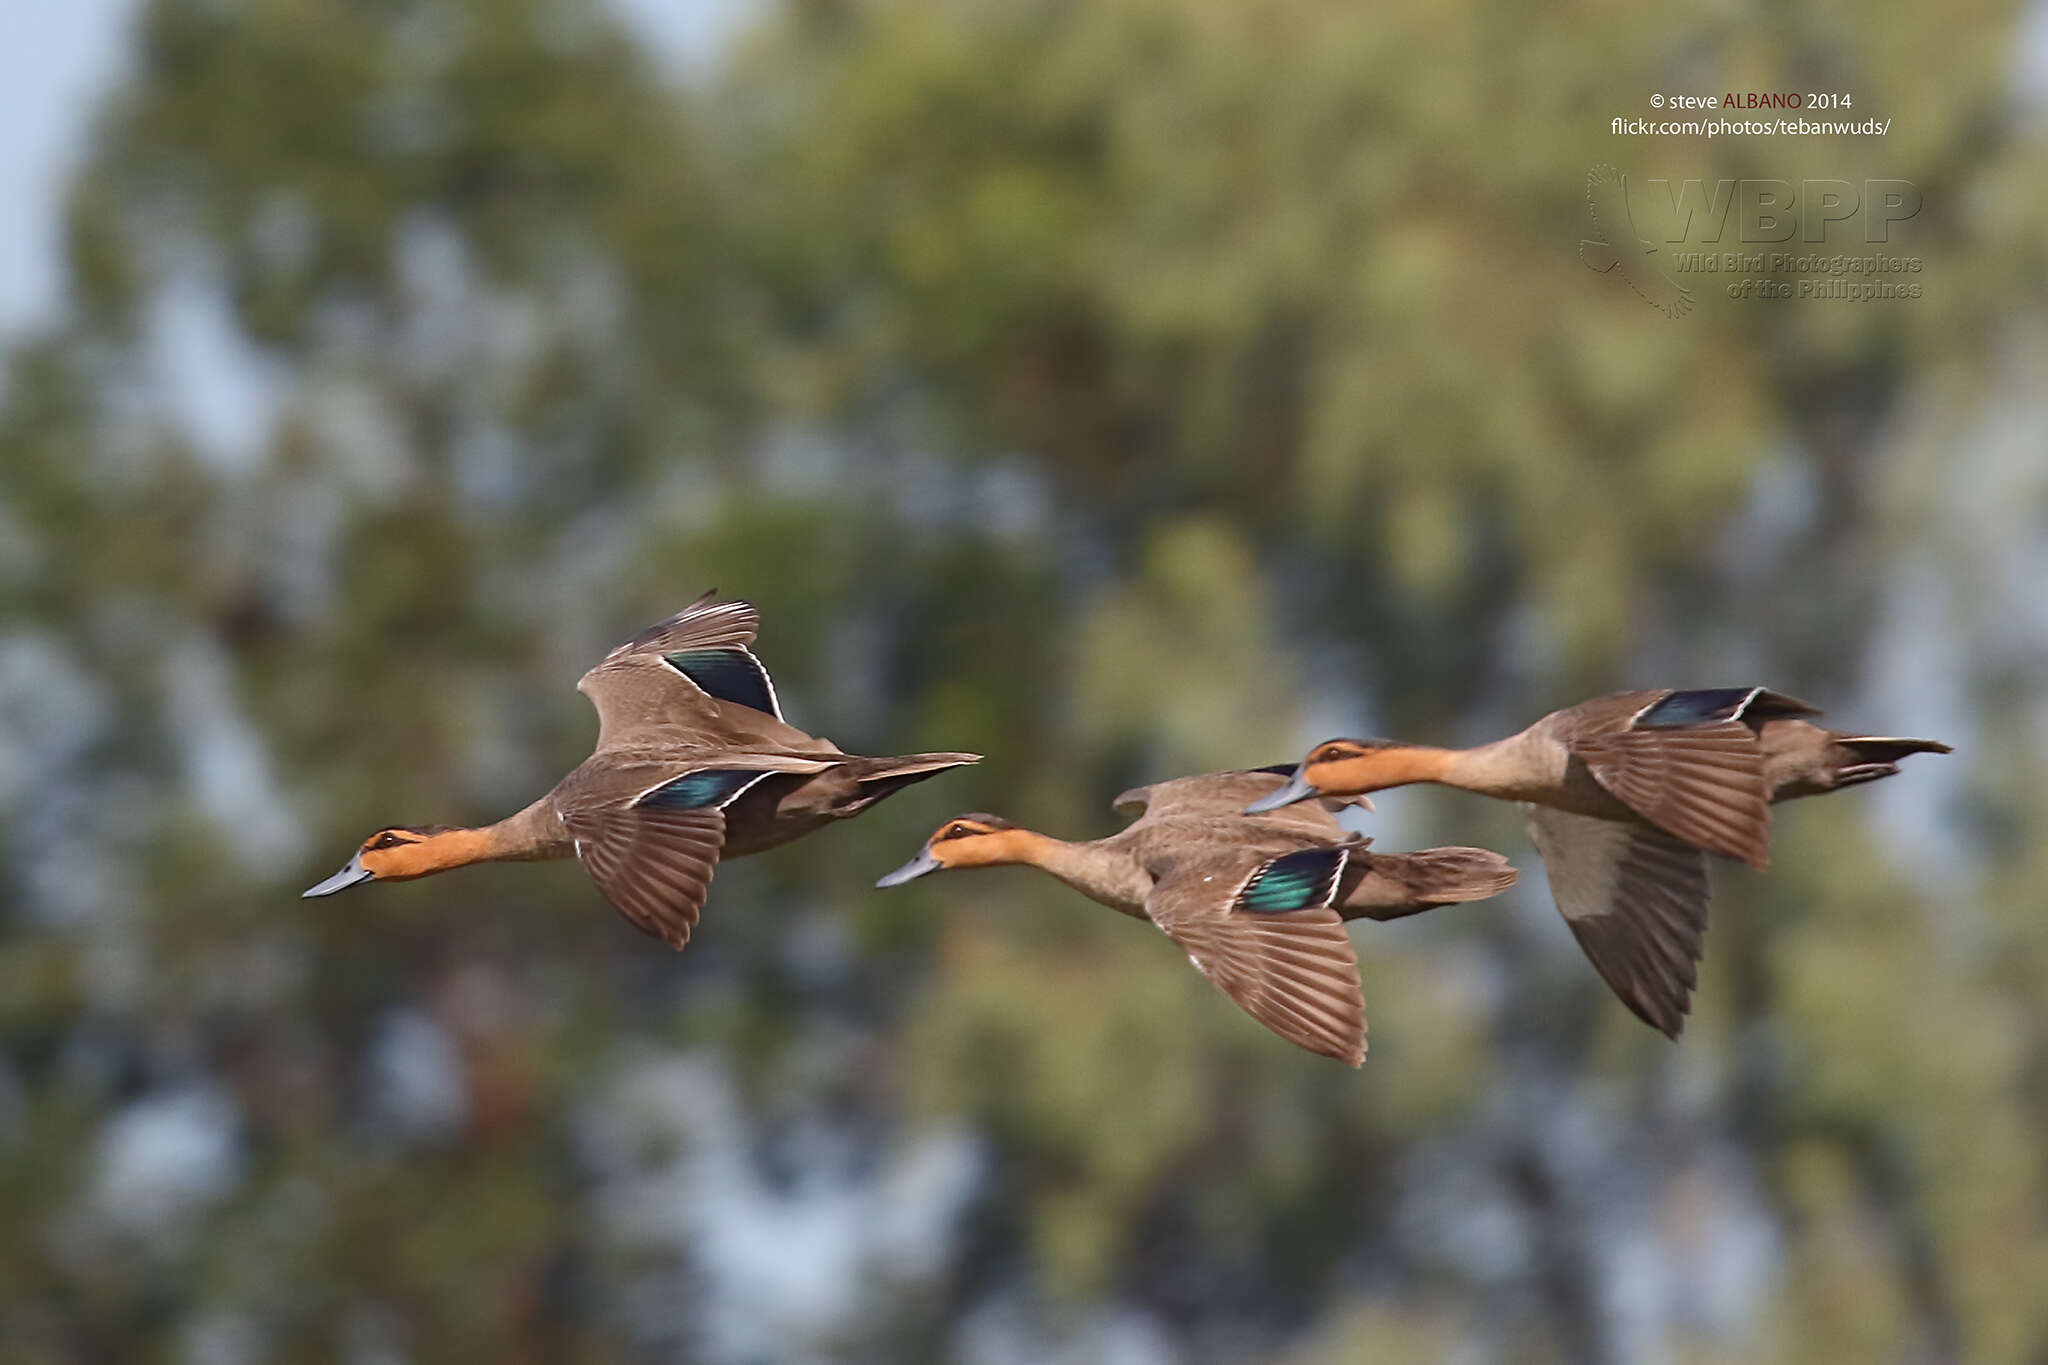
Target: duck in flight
[[693, 763], [1624, 795], [1258, 904]]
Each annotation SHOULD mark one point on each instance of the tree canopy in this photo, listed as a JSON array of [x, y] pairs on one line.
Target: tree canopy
[[1119, 390]]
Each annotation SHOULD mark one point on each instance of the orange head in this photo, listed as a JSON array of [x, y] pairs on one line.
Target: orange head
[[975, 840], [401, 853], [1343, 767]]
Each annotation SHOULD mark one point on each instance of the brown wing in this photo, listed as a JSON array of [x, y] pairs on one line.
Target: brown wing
[[1294, 971], [655, 865], [705, 624], [726, 698], [1704, 783], [1636, 900]]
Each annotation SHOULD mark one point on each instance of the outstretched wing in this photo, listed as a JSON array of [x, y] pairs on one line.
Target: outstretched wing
[[1703, 783], [1636, 900], [694, 669], [650, 833], [655, 865], [706, 623], [1607, 206], [1263, 930]]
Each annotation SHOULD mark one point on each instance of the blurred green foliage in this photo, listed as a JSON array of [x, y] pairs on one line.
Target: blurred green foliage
[[1119, 389]]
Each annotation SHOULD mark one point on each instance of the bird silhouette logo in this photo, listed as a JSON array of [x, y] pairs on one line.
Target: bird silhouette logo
[[1620, 249]]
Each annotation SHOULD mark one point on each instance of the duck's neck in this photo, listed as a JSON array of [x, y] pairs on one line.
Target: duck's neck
[[1396, 766], [1504, 768], [535, 832], [1101, 874], [531, 833], [1491, 769]]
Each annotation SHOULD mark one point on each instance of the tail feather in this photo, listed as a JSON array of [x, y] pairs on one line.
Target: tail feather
[[1385, 886], [1806, 763], [888, 776], [1875, 757], [1462, 874], [916, 765], [1885, 749]]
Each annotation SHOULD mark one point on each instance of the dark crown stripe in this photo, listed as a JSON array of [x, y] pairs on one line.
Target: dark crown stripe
[[1293, 881], [728, 674], [1702, 707], [706, 790]]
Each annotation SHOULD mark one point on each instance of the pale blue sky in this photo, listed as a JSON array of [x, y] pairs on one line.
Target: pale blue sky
[[60, 58]]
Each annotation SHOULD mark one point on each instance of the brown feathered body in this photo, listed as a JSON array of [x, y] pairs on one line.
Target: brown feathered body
[[693, 763], [1258, 903], [1624, 794]]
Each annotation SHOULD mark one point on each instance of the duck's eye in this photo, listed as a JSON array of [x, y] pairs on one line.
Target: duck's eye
[[956, 831], [386, 840]]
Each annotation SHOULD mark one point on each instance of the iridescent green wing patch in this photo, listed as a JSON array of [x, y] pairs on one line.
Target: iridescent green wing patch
[[709, 789], [1294, 881], [1703, 706], [732, 675]]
